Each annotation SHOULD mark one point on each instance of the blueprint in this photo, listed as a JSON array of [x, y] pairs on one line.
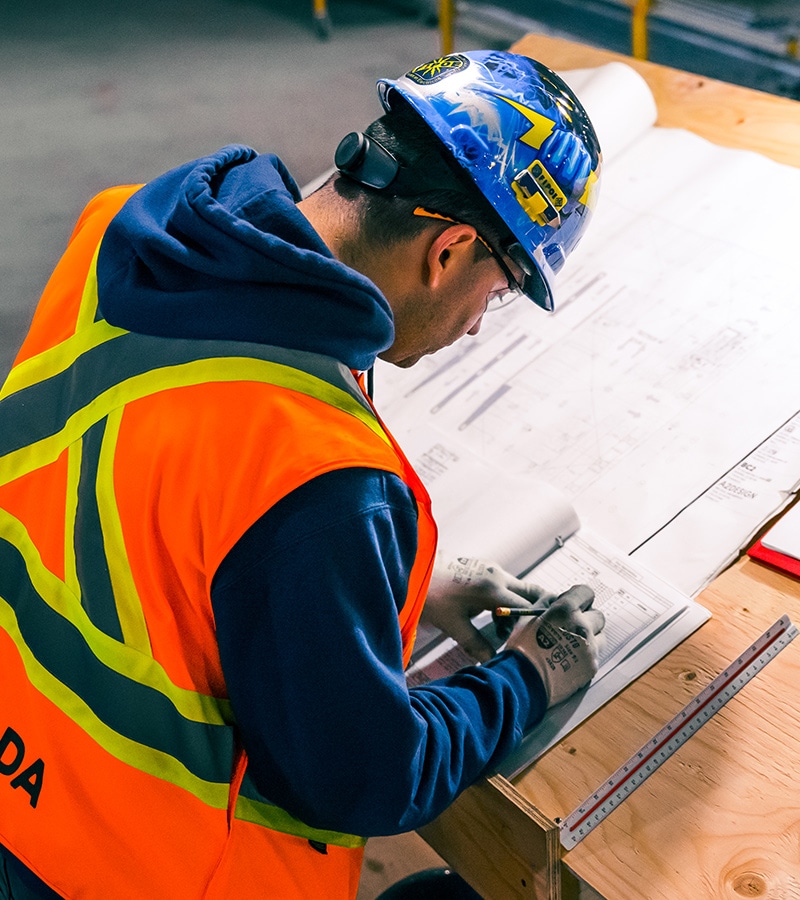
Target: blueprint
[[661, 398]]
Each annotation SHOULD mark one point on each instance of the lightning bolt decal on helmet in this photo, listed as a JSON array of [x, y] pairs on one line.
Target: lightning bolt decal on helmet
[[523, 138]]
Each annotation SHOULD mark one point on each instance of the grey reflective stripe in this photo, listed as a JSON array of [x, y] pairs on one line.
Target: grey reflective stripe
[[134, 714], [43, 408], [252, 806], [92, 567], [78, 655]]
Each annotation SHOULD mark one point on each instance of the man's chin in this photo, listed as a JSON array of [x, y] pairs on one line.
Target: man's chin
[[405, 363], [410, 361]]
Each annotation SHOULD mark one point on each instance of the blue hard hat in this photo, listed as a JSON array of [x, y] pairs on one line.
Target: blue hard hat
[[522, 136]]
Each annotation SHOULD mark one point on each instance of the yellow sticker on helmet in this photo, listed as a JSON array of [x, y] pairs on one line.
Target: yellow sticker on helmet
[[541, 126], [539, 195], [536, 206], [437, 69], [589, 196]]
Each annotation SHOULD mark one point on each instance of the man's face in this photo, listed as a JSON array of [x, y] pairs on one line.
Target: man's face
[[429, 319]]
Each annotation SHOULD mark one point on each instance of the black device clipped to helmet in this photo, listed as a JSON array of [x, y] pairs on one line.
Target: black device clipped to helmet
[[364, 160]]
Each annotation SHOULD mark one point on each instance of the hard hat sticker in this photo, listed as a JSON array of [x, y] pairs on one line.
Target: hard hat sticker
[[539, 195], [437, 69], [541, 126]]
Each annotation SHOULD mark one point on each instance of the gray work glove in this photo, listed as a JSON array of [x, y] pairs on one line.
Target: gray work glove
[[564, 643], [463, 587]]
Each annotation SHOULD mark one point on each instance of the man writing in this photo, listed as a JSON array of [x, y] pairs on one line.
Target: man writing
[[213, 557]]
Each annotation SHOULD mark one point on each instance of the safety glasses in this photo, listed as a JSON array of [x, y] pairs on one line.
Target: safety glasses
[[531, 283]]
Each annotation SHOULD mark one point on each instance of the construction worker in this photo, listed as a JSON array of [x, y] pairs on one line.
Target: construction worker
[[213, 557]]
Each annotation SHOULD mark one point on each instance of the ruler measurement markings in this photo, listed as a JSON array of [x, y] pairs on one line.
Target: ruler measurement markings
[[676, 732]]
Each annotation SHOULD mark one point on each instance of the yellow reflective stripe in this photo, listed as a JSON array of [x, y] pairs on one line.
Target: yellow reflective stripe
[[147, 759], [74, 454], [55, 360], [129, 608], [227, 369], [116, 656], [50, 362], [279, 820], [88, 307]]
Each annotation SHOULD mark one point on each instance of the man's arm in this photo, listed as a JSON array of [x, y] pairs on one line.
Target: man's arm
[[306, 610]]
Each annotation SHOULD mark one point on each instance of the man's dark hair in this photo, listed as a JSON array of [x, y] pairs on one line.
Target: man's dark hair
[[389, 218]]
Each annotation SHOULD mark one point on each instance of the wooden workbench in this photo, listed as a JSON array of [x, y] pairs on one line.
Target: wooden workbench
[[720, 820]]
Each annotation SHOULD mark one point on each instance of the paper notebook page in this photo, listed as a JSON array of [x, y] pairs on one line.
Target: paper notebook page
[[784, 536], [635, 602], [637, 605]]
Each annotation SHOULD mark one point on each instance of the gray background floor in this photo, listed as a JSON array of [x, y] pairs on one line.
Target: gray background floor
[[100, 93]]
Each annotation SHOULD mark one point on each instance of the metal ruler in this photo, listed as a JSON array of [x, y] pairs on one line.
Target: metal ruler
[[675, 733]]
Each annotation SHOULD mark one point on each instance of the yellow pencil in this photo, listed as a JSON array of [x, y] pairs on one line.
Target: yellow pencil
[[509, 611]]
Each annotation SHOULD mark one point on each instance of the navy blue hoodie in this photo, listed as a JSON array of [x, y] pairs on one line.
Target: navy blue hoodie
[[218, 249]]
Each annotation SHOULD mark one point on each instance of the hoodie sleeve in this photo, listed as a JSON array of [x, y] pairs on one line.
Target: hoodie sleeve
[[306, 611]]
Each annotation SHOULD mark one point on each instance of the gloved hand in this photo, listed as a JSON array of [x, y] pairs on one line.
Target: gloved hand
[[461, 588], [564, 643]]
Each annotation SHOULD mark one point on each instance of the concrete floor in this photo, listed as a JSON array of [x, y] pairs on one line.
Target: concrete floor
[[95, 93]]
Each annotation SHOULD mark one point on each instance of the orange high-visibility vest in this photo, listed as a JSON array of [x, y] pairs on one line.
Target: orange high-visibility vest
[[129, 467]]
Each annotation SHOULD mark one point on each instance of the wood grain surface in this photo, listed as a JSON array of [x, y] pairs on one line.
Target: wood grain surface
[[726, 114]]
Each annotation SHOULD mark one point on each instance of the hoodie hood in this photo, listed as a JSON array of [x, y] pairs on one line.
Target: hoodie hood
[[217, 249]]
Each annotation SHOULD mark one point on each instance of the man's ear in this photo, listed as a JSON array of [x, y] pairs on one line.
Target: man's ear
[[449, 252]]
